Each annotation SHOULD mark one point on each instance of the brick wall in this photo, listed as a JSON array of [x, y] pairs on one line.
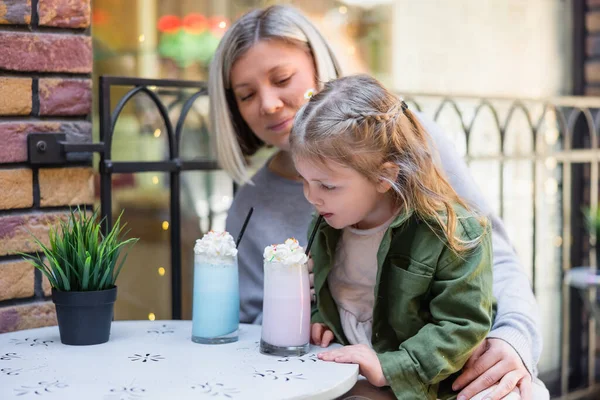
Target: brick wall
[[45, 86]]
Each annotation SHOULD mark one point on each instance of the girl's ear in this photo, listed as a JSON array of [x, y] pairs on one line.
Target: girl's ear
[[388, 173]]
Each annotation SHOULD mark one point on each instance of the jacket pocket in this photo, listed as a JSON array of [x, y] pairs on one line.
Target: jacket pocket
[[408, 292]]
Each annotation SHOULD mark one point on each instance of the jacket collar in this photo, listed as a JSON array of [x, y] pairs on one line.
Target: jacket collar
[[330, 237]]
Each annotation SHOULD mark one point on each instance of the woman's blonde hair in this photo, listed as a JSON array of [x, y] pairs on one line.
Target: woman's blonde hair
[[354, 121], [235, 141]]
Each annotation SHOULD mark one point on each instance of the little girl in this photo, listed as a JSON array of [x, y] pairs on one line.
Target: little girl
[[402, 266]]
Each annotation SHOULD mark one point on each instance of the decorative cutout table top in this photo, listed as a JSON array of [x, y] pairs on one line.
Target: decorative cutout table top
[[158, 360]]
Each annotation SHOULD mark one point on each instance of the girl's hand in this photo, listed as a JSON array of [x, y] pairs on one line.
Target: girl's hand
[[320, 335], [494, 361], [360, 354]]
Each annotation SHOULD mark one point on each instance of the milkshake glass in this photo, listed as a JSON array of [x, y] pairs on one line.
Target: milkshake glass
[[216, 297], [286, 303]]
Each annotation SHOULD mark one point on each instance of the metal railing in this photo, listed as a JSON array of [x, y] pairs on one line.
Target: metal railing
[[558, 132], [40, 146]]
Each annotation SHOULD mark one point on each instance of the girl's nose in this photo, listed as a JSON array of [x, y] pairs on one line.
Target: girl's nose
[[312, 197]]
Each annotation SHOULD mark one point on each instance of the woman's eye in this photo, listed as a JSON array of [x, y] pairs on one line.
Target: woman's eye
[[284, 80], [327, 187], [246, 97]]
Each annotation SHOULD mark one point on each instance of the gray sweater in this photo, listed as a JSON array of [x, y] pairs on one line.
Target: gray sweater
[[281, 211]]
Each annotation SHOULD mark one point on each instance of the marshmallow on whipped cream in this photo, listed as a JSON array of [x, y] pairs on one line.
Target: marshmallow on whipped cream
[[216, 244], [288, 253]]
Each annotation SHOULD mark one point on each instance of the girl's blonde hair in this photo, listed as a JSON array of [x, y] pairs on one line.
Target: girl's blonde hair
[[354, 121], [235, 141]]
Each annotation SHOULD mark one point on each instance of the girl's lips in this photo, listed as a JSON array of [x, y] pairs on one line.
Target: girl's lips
[[326, 215], [280, 125]]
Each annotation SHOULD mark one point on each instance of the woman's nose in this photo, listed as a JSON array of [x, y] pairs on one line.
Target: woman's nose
[[270, 102]]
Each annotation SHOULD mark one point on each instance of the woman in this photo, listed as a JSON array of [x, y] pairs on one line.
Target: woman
[[258, 80]]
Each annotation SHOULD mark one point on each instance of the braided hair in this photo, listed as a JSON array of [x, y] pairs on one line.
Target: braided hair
[[356, 122]]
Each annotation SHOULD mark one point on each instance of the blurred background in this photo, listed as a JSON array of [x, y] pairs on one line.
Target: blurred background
[[499, 75]]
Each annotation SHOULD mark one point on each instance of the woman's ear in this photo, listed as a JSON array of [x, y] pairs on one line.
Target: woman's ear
[[388, 173]]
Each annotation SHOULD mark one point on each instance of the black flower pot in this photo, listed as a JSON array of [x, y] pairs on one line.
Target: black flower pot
[[84, 318]]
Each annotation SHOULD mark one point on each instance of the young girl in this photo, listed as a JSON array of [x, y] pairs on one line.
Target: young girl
[[402, 266]]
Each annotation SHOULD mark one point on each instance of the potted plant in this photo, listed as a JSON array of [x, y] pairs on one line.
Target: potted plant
[[81, 265]]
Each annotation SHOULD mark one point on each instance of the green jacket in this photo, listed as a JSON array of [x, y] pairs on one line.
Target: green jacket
[[432, 307]]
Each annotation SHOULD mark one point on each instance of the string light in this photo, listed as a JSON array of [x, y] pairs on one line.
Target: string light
[[155, 180], [161, 271], [351, 50], [558, 241], [165, 225], [142, 38], [222, 24], [551, 163], [343, 9], [157, 133], [151, 316]]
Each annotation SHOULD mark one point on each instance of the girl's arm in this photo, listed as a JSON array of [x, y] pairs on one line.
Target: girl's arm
[[517, 318]]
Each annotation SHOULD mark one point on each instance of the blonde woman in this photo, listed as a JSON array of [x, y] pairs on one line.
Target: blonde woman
[[260, 74]]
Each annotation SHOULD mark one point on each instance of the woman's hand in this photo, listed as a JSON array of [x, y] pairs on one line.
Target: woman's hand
[[320, 335], [494, 361], [361, 354]]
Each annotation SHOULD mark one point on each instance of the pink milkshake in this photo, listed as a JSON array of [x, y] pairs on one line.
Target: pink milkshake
[[286, 303]]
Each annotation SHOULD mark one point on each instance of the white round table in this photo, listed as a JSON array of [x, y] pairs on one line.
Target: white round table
[[157, 360]]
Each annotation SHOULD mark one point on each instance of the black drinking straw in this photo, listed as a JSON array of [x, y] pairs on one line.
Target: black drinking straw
[[312, 235], [237, 242]]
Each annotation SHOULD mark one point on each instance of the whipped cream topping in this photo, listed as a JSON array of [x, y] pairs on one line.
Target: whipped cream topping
[[216, 244], [288, 253]]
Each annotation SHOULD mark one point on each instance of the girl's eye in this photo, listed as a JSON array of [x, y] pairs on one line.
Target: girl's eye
[[327, 187]]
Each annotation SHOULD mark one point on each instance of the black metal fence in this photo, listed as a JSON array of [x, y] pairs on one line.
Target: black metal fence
[[47, 150]]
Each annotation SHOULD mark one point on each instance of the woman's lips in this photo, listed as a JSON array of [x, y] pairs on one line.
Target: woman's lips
[[280, 125]]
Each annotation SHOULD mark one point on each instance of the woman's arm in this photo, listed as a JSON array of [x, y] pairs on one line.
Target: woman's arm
[[517, 318]]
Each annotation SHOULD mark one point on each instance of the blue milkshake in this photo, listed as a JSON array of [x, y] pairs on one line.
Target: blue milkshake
[[216, 299]]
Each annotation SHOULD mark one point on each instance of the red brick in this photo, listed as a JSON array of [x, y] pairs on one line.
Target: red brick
[[17, 280], [64, 13], [17, 188], [65, 96], [15, 96], [16, 12], [66, 186], [16, 231], [13, 136], [29, 316], [46, 52]]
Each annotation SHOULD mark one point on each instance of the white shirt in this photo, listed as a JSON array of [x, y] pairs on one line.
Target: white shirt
[[352, 280]]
